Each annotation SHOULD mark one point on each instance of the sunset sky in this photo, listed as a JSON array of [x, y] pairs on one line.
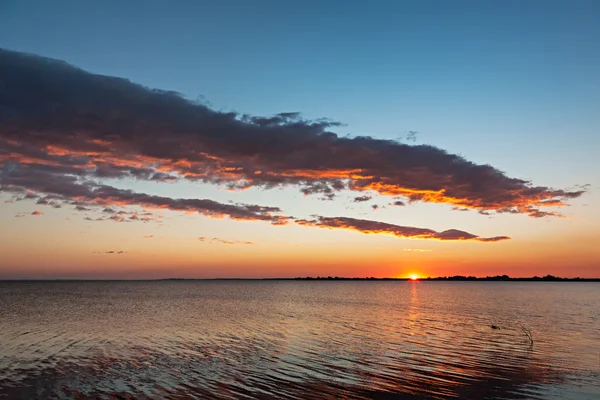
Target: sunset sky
[[282, 139]]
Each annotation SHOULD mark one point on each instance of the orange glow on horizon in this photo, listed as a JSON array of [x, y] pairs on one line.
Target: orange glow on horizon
[[413, 277]]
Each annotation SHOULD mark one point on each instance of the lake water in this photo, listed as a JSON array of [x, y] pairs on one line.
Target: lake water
[[299, 339]]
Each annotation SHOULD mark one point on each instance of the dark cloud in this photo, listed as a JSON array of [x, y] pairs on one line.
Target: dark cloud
[[83, 126], [117, 218], [27, 196], [375, 227], [361, 199], [398, 203], [104, 196], [466, 209], [114, 252]]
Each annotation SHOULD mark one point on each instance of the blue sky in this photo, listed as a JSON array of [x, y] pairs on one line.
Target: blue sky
[[514, 84]]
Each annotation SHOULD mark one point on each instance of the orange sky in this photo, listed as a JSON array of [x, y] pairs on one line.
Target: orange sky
[[48, 246]]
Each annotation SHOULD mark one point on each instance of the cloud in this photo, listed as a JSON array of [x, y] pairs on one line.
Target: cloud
[[114, 252], [398, 203], [223, 241], [148, 237], [404, 232], [361, 199], [34, 213], [83, 127], [102, 196]]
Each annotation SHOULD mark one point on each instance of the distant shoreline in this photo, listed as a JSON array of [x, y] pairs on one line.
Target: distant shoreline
[[504, 278], [499, 278]]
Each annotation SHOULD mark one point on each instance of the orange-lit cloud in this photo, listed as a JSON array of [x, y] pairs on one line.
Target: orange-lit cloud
[[405, 232], [73, 123], [105, 199]]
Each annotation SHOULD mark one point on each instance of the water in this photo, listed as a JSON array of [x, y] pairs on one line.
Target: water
[[299, 339]]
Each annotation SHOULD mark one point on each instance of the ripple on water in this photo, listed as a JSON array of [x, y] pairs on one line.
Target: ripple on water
[[310, 340]]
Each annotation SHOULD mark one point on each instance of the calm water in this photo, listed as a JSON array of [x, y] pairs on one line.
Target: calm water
[[310, 340]]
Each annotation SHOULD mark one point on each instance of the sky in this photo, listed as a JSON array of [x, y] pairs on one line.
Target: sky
[[143, 140]]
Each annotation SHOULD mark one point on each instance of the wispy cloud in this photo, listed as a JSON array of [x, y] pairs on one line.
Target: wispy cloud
[[223, 241], [104, 197], [361, 199], [24, 214], [405, 232]]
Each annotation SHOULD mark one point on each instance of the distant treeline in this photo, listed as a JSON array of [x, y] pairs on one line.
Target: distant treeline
[[497, 278]]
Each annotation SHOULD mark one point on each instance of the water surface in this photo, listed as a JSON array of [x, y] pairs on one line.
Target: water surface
[[299, 339]]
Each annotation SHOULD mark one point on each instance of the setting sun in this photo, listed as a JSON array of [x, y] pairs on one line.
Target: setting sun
[[413, 277]]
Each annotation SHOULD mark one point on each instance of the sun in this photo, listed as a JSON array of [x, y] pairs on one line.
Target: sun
[[413, 277]]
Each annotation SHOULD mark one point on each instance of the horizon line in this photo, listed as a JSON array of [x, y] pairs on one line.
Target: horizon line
[[454, 278]]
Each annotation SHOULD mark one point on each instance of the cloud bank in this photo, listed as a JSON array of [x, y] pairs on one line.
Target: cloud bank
[[35, 182], [80, 126]]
